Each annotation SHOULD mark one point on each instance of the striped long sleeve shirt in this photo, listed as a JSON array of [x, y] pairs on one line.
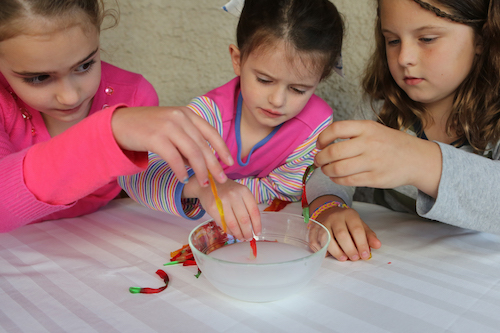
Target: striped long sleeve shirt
[[273, 169]]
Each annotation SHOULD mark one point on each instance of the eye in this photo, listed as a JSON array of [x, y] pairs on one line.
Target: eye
[[86, 66], [262, 80], [428, 39], [298, 91], [392, 42], [36, 79]]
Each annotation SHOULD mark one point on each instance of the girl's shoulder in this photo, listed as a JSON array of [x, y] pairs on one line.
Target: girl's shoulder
[[116, 75], [315, 112], [121, 86]]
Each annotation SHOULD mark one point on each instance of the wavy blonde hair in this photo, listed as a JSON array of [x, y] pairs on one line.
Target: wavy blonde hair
[[475, 116]]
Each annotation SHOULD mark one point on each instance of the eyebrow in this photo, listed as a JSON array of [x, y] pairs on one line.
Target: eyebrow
[[306, 86], [427, 27], [48, 73]]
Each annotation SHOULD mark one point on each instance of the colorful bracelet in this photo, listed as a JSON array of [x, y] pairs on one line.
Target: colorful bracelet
[[325, 206]]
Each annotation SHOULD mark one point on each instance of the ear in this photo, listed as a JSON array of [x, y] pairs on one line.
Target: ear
[[235, 59], [479, 45]]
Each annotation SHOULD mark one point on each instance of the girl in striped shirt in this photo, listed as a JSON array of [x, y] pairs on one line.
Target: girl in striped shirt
[[268, 115]]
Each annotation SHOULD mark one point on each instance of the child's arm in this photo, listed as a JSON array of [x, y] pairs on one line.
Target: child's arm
[[177, 135], [468, 194], [61, 177], [450, 181], [351, 237], [158, 187], [71, 174], [378, 156]]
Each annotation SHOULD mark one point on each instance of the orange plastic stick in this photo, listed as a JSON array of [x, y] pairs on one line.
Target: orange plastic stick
[[217, 201]]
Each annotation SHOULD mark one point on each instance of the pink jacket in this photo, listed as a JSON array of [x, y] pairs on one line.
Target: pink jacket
[[73, 173]]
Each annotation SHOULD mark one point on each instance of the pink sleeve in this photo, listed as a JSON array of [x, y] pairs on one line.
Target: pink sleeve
[[81, 163], [73, 173]]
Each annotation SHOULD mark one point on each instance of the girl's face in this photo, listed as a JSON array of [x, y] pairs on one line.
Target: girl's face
[[56, 73], [428, 56], [273, 89]]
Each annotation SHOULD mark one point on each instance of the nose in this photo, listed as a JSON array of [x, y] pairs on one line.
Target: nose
[[67, 93], [277, 97], [407, 54]]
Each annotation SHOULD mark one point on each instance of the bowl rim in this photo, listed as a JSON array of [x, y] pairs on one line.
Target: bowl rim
[[194, 249]]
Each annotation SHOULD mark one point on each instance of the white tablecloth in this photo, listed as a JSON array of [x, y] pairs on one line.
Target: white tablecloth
[[73, 276]]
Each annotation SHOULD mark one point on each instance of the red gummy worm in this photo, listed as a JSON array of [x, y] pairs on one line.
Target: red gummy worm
[[139, 290], [277, 205], [190, 262], [253, 244]]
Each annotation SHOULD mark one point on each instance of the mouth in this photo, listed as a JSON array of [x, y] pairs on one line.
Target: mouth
[[412, 81], [75, 109], [271, 113]]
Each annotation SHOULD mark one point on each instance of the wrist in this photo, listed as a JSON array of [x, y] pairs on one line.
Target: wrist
[[191, 189], [326, 206]]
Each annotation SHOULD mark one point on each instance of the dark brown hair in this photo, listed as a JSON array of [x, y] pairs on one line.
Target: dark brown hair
[[311, 27], [475, 116]]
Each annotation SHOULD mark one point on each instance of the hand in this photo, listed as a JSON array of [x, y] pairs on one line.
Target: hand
[[378, 156], [351, 237], [177, 135], [241, 212]]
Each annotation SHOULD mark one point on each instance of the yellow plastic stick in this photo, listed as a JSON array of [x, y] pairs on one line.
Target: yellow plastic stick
[[217, 201]]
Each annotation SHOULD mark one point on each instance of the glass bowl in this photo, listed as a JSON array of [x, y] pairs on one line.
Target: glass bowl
[[289, 253]]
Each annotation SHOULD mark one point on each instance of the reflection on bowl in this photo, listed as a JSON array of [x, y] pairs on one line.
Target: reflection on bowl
[[289, 253]]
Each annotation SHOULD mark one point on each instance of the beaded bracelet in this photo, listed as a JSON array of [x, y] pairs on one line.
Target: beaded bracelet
[[325, 206]]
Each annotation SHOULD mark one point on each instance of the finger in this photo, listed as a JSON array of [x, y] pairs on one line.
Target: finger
[[339, 151], [359, 237], [198, 155], [336, 251], [189, 141], [373, 241], [232, 222], [211, 135], [243, 219], [344, 129], [358, 179], [254, 212], [175, 160], [346, 243]]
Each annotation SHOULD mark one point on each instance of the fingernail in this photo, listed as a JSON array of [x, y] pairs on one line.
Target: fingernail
[[205, 183], [223, 176], [230, 160], [355, 257], [343, 258], [365, 255], [185, 181]]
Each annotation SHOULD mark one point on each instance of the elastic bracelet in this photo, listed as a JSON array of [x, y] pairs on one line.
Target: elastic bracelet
[[325, 206]]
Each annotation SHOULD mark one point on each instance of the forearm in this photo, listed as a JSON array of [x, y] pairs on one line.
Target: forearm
[[159, 189], [425, 166], [78, 162], [468, 195]]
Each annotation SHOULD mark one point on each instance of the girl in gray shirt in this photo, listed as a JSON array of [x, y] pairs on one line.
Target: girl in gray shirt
[[434, 150]]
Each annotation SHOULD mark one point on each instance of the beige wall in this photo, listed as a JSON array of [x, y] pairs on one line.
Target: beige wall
[[181, 47]]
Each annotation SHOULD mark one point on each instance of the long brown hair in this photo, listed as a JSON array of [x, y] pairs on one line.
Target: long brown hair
[[475, 115], [13, 13]]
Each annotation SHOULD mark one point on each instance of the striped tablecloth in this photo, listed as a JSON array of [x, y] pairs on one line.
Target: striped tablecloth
[[73, 276]]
